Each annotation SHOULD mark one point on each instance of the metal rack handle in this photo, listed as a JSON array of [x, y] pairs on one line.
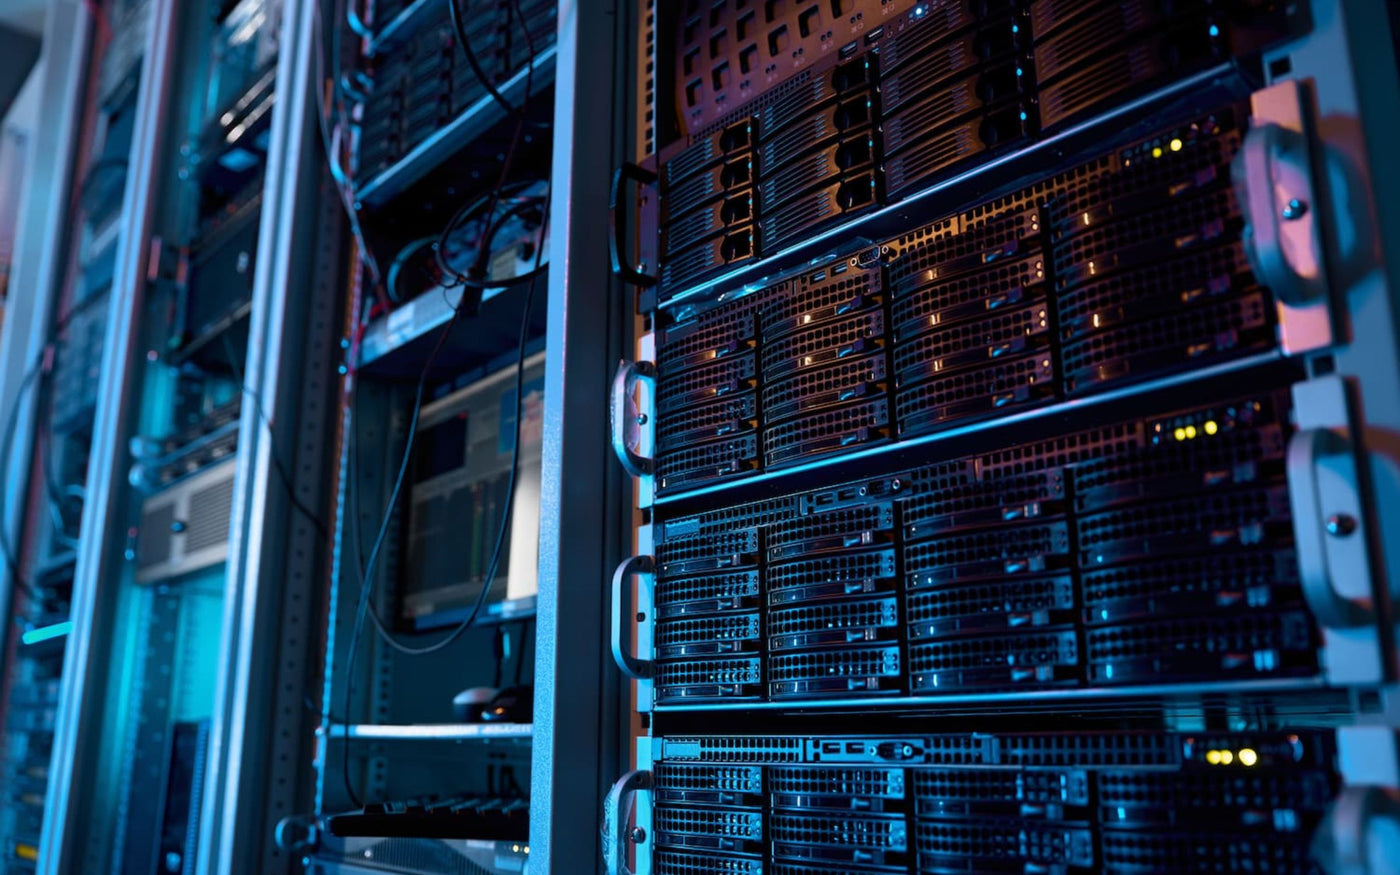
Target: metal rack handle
[[1328, 530], [628, 419], [632, 666], [622, 265], [1347, 842], [617, 807]]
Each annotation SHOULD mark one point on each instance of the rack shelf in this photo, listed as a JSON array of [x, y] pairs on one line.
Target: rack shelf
[[397, 344], [515, 732], [456, 134], [403, 25]]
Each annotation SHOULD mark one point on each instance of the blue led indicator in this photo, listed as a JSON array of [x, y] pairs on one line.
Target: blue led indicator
[[1023, 116], [44, 633], [1214, 30]]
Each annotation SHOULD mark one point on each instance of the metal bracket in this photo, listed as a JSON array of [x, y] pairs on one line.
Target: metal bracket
[[1332, 561], [617, 808], [1330, 530], [1360, 833], [632, 666], [1328, 514], [627, 417], [1273, 178]]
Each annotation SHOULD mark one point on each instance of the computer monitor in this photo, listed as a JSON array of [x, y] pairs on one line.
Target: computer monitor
[[460, 474]]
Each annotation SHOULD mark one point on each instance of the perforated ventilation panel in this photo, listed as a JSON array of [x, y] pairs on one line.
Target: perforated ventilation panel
[[730, 52]]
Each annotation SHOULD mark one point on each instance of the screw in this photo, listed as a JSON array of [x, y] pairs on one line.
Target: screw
[[1294, 209], [178, 526], [1340, 525], [637, 835], [641, 419]]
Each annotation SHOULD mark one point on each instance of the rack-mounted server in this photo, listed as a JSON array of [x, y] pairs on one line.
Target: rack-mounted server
[[972, 392], [1063, 802], [920, 91], [1150, 552], [1124, 268], [421, 82]]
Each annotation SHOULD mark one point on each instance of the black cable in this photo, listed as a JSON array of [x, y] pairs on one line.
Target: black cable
[[7, 439], [6, 444], [489, 239], [363, 605], [520, 112], [477, 273], [490, 576], [277, 464]]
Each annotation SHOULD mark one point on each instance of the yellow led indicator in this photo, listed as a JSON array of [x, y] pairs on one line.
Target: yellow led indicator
[[1179, 434], [1190, 431], [27, 852], [1226, 757], [1211, 427], [1086, 218], [1156, 151], [1176, 144], [1213, 757], [1248, 757]]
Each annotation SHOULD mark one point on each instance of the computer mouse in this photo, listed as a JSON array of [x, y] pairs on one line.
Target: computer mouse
[[468, 704], [511, 705]]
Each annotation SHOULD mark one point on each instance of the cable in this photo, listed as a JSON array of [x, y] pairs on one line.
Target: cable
[[477, 273], [508, 505], [494, 225], [277, 464], [480, 73], [6, 443], [363, 606], [330, 138]]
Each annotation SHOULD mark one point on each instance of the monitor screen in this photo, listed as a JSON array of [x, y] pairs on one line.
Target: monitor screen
[[458, 494]]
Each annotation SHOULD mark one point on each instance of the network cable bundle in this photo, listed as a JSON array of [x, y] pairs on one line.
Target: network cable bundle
[[976, 533]]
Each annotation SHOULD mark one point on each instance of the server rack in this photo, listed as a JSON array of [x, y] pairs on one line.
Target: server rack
[[73, 206], [1003, 431], [444, 352], [199, 436]]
